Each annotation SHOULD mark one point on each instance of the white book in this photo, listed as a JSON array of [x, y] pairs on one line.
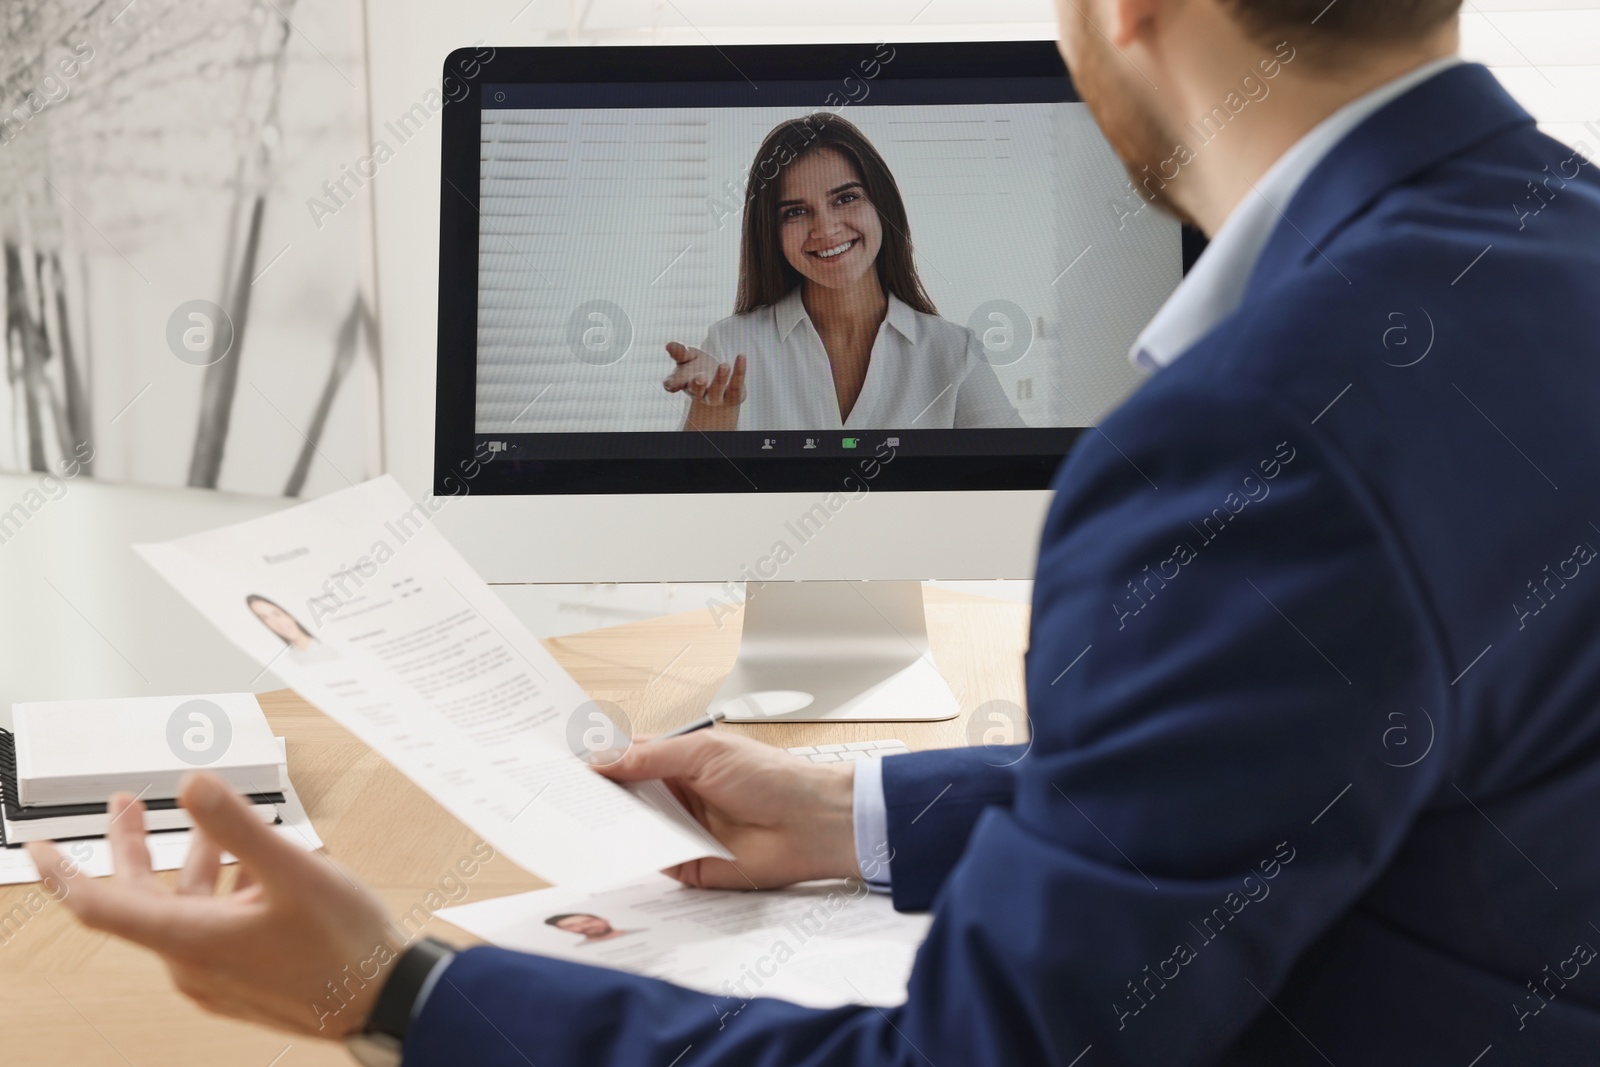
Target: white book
[[82, 751]]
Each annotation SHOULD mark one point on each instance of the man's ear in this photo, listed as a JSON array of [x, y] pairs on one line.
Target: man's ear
[[1125, 22]]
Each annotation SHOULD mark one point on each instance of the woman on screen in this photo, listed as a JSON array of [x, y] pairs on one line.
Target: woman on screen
[[832, 328]]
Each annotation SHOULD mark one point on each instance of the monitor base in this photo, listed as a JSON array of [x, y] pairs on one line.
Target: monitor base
[[835, 652]]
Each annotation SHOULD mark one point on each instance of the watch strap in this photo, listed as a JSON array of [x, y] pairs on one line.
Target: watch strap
[[392, 1013]]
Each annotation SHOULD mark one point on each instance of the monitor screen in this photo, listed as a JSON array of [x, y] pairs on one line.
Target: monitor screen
[[715, 275]]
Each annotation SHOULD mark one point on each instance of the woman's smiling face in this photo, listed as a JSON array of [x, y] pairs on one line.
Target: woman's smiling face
[[831, 232]]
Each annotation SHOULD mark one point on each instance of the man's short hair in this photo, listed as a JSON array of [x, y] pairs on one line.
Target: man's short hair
[[1324, 28]]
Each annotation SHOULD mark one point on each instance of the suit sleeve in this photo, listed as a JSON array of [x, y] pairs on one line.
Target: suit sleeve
[[933, 799], [1208, 789]]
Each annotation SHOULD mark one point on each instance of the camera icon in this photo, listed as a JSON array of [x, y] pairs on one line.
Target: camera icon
[[199, 732]]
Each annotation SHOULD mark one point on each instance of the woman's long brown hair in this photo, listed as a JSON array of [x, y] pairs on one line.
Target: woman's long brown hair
[[765, 276]]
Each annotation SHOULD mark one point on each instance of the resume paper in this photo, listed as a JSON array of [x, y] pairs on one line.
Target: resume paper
[[363, 607], [820, 944]]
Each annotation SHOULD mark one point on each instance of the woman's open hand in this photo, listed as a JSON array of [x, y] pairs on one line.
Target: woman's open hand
[[715, 389]]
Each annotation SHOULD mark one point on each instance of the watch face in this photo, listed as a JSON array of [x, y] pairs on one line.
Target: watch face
[[374, 1050]]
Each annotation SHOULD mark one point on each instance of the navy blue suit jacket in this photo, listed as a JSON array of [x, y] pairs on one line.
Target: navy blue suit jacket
[[1323, 785]]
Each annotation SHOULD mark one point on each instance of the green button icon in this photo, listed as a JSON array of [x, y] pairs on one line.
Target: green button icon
[[851, 442]]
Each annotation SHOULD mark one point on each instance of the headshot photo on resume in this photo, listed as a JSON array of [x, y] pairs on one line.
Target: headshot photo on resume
[[302, 647], [589, 928]]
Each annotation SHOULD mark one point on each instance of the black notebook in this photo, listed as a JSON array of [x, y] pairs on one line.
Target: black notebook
[[63, 822]]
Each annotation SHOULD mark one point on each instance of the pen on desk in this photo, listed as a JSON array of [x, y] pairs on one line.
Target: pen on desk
[[710, 720]]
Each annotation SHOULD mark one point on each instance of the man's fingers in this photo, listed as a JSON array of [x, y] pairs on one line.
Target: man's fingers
[[242, 879], [150, 919], [680, 353], [200, 867], [675, 757], [735, 391], [709, 873], [61, 876], [227, 820], [125, 834]]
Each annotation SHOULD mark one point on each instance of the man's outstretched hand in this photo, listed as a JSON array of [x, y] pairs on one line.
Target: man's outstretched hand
[[785, 820], [295, 922], [264, 952]]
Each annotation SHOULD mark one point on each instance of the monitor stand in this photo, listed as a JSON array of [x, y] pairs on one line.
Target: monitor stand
[[835, 652]]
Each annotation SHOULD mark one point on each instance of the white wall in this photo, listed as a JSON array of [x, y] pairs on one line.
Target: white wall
[[1547, 52]]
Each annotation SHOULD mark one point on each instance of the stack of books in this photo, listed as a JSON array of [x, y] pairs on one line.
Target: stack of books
[[62, 760]]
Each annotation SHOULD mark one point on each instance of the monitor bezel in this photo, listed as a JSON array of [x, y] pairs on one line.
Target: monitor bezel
[[460, 462]]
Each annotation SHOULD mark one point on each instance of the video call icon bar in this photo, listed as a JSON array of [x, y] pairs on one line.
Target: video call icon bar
[[814, 444], [820, 444], [796, 444]]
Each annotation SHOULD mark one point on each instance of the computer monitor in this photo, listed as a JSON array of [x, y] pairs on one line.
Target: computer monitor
[[821, 320]]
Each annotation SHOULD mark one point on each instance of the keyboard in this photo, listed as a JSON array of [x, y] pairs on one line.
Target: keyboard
[[854, 750]]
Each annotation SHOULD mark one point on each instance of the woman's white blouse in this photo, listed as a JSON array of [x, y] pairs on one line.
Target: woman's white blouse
[[924, 373]]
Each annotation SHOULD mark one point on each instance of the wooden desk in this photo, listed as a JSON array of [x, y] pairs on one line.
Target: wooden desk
[[76, 997]]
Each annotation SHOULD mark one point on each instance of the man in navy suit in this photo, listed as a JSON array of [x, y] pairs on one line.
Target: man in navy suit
[[1313, 686]]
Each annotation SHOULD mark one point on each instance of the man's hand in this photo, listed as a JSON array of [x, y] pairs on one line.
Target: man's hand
[[265, 952], [785, 820]]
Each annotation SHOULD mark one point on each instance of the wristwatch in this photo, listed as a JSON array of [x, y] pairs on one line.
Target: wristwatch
[[379, 1044]]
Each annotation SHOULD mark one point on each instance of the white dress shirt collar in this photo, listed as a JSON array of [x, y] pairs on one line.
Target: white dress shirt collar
[[1214, 287], [788, 312]]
